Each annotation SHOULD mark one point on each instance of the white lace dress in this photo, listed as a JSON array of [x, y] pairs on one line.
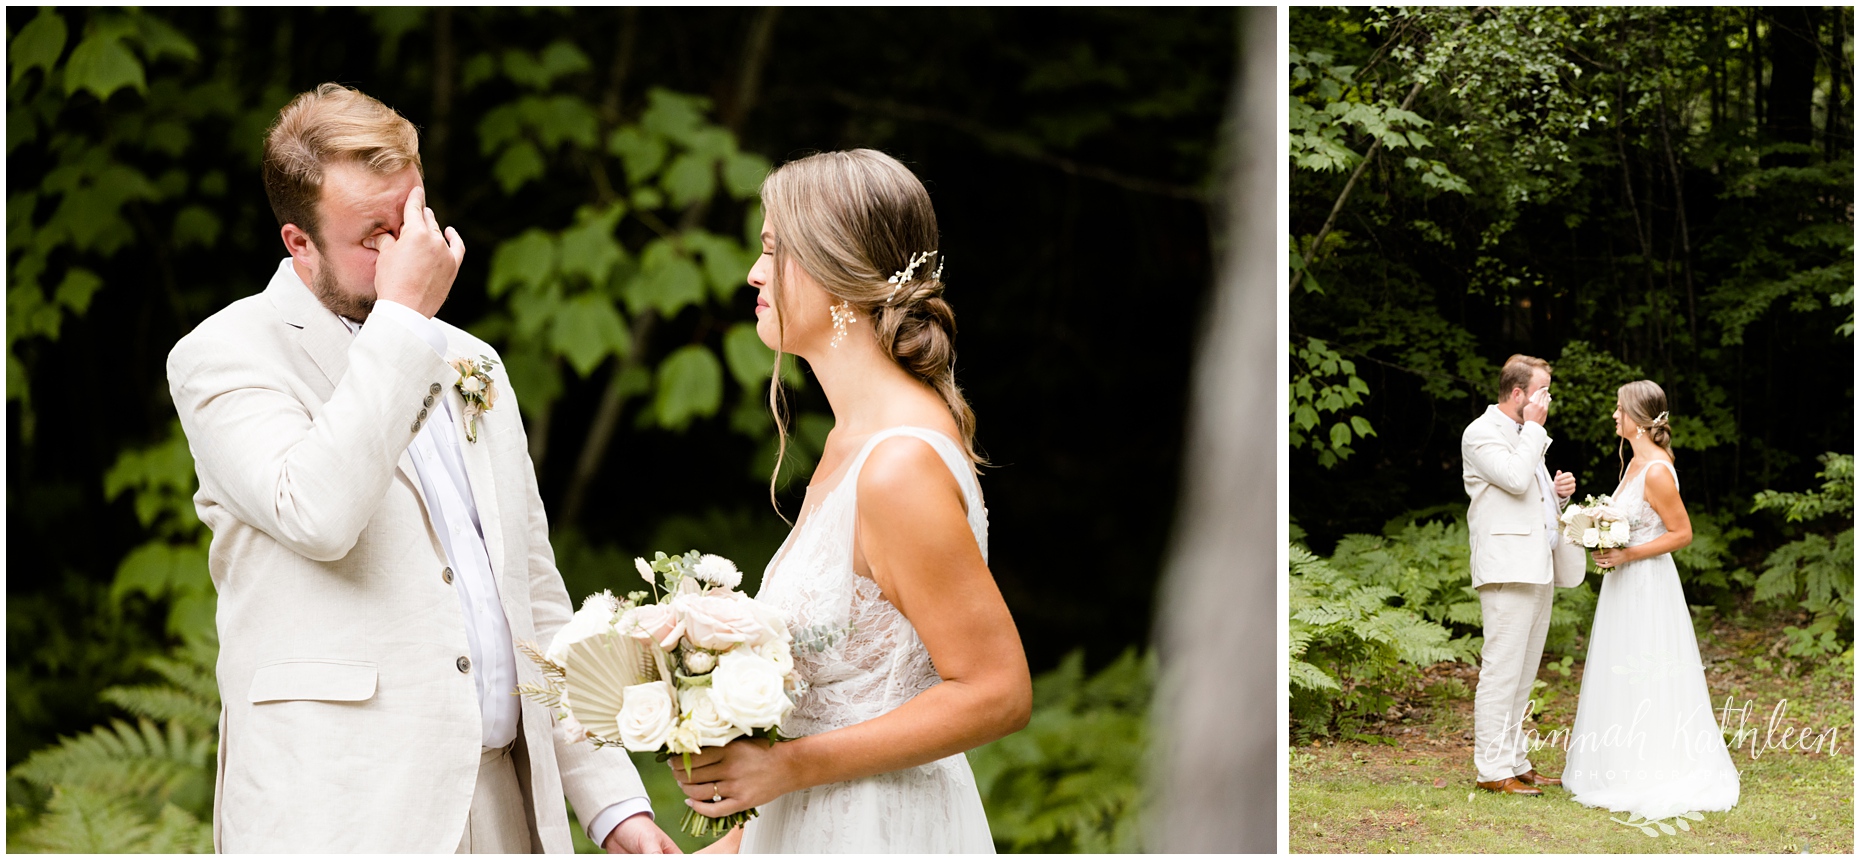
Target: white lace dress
[[1646, 739], [929, 809]]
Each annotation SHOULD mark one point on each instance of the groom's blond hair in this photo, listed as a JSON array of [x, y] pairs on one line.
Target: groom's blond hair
[[1517, 374], [330, 124]]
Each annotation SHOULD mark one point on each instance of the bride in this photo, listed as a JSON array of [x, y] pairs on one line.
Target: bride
[[1646, 740], [917, 658]]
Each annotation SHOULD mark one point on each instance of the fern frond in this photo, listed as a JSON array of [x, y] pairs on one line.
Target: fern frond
[[125, 761], [84, 821], [166, 704], [178, 832]]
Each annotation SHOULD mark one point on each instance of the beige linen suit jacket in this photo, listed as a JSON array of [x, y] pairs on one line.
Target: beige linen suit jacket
[[1506, 516], [349, 720]]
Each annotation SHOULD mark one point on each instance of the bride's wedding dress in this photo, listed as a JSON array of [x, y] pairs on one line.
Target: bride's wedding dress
[[875, 664], [1646, 739]]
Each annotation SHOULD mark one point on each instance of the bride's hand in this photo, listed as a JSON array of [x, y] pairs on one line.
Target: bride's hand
[[746, 773], [1607, 559]]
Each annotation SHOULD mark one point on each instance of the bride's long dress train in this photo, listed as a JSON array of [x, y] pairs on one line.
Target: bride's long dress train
[[1646, 739], [875, 667]]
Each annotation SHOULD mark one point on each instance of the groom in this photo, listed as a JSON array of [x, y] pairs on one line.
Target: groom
[[374, 565], [1516, 555]]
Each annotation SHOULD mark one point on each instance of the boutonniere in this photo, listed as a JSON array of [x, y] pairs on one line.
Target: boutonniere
[[476, 387]]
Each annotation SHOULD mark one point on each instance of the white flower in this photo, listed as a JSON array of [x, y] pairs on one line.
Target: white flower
[[595, 617], [777, 652], [718, 623], [700, 662], [1618, 531], [768, 616], [717, 570], [1571, 513], [747, 690], [700, 714], [472, 385], [683, 738], [646, 716], [645, 570], [1591, 537]]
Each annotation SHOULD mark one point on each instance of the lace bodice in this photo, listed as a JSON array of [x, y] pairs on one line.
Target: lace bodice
[[870, 659], [1631, 497]]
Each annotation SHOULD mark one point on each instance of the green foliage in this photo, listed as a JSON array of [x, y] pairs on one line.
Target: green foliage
[[146, 787], [1816, 571], [1071, 780], [1350, 647], [1324, 382]]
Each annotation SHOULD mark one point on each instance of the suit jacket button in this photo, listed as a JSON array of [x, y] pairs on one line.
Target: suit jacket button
[[421, 416], [434, 389], [415, 428], [464, 664], [446, 575], [428, 401]]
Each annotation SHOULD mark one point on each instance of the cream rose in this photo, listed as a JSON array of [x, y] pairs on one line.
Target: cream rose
[[700, 714], [1592, 537], [747, 690], [777, 652], [654, 622], [771, 618], [646, 716], [718, 623], [1619, 531], [595, 617]]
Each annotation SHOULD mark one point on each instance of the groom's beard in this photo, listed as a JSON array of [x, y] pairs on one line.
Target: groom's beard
[[323, 284]]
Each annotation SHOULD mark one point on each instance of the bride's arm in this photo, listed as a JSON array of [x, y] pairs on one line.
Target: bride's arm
[[915, 538], [1663, 495]]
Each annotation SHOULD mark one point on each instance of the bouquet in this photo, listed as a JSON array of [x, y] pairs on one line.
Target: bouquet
[[1596, 524], [692, 663]]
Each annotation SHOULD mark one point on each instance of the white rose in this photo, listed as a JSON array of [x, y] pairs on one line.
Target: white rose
[[718, 571], [646, 716], [777, 652], [595, 617], [718, 623], [700, 714], [683, 739], [771, 618], [1591, 537], [472, 385], [747, 690], [1618, 530]]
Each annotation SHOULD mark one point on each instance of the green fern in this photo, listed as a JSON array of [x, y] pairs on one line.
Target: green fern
[[1071, 780], [146, 787]]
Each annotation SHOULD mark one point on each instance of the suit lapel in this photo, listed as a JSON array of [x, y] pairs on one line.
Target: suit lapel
[[479, 472]]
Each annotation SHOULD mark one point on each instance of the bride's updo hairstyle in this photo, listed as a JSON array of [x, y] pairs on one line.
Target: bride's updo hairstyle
[[852, 220], [1643, 404]]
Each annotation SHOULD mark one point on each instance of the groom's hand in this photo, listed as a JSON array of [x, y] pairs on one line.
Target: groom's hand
[[416, 268], [639, 835], [1565, 484], [1537, 408]]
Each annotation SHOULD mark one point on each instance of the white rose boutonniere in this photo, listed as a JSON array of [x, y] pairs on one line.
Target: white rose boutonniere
[[478, 389]]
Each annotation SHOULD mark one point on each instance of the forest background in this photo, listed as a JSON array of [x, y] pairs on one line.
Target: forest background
[[602, 167], [1661, 193]]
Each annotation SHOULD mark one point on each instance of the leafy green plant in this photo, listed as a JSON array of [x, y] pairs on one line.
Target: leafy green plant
[[1071, 780], [1815, 571], [1350, 648], [145, 787]]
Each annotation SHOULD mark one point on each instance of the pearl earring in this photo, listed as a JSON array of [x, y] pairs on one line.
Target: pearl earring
[[842, 314]]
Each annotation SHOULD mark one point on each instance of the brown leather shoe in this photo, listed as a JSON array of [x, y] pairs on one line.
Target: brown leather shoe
[[1532, 777], [1509, 785]]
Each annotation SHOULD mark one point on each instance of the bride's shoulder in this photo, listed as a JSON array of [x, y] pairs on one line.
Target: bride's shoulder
[[902, 466]]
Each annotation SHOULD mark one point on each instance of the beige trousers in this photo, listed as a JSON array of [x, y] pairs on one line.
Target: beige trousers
[[1516, 617], [496, 823]]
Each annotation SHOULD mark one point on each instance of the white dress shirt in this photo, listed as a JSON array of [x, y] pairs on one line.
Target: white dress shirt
[[447, 490]]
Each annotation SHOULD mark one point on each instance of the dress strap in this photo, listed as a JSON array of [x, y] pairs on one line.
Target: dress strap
[[945, 447], [1669, 469]]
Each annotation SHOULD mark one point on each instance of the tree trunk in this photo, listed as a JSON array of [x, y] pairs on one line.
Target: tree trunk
[[1216, 773]]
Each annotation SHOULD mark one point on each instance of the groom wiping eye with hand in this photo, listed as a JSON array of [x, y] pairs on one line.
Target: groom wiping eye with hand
[[379, 545], [1517, 553]]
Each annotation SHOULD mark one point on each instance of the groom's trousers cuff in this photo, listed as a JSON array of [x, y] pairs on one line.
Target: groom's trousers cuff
[[600, 826]]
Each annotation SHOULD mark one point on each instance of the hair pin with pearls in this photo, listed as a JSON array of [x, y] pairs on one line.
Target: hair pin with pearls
[[900, 278]]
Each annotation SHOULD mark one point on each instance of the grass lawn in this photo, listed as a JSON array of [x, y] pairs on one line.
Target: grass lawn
[[1407, 786]]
